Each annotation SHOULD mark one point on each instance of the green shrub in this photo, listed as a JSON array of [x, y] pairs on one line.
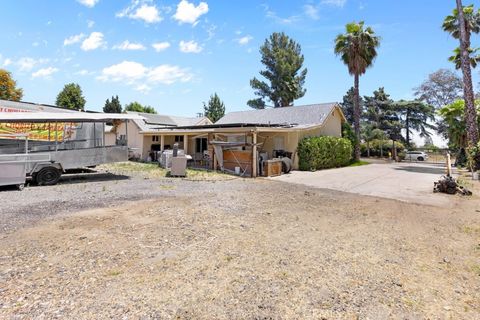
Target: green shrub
[[315, 153]]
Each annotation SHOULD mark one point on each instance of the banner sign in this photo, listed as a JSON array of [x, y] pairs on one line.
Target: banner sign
[[44, 131]]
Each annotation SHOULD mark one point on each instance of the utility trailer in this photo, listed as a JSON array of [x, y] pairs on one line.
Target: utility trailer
[[44, 145]]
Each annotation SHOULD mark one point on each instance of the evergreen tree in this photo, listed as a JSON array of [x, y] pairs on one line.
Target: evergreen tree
[[283, 60], [8, 87], [71, 97], [215, 109], [348, 103], [137, 107], [415, 115], [113, 106]]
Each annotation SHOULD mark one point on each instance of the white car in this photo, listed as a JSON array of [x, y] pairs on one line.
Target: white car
[[416, 156]]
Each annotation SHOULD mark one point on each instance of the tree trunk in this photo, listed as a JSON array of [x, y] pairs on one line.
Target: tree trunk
[[407, 125], [356, 117], [470, 110], [368, 149]]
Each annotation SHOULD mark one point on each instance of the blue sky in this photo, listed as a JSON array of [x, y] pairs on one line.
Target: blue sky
[[173, 54]]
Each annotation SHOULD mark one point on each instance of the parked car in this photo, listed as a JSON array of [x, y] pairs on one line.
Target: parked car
[[416, 156]]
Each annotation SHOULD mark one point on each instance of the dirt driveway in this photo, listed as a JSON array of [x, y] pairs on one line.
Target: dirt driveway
[[233, 249], [411, 182]]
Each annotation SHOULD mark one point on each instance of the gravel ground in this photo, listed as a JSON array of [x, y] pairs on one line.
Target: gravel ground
[[232, 249]]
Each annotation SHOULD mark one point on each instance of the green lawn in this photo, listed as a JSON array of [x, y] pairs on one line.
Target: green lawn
[[358, 163]]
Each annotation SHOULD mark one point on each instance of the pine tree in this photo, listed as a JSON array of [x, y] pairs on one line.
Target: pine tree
[[283, 60], [215, 109], [113, 106]]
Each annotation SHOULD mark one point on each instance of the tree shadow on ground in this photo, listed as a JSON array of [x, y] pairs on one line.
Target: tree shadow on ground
[[437, 170]]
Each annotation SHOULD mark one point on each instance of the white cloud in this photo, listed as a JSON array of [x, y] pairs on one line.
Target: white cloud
[[189, 13], [7, 62], [94, 41], [336, 3], [83, 72], [44, 73], [161, 46], [88, 3], [168, 74], [90, 23], [127, 45], [143, 88], [73, 39], [244, 40], [273, 15], [311, 11], [190, 47], [143, 78], [141, 10], [125, 71], [27, 64]]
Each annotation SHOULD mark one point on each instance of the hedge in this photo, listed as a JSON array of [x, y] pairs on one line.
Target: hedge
[[315, 153]]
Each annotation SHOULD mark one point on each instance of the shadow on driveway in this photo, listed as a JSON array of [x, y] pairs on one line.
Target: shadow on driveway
[[430, 169]]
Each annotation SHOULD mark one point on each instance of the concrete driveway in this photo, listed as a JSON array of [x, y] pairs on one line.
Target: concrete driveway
[[411, 182]]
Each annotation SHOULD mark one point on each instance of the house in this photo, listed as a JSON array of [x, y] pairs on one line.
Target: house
[[157, 133], [238, 139]]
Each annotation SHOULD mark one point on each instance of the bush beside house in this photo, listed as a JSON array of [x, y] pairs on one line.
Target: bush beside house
[[324, 152]]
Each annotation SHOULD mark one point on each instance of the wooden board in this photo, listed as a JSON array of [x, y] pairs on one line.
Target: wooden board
[[272, 168], [238, 158]]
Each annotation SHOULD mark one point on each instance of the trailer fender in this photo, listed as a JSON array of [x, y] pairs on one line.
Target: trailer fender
[[39, 166]]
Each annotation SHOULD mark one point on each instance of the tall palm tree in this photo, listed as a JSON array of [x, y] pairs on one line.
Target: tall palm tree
[[460, 25], [357, 48]]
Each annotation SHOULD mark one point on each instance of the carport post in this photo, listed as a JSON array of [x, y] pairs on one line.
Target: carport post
[[185, 144], [162, 142]]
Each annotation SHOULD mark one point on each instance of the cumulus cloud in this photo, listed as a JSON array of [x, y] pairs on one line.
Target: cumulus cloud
[[88, 3], [83, 72], [161, 46], [244, 40], [6, 62], [142, 78], [90, 23], [189, 13], [73, 39], [94, 41], [127, 45], [311, 11], [336, 3], [141, 10], [44, 72], [27, 63], [190, 47]]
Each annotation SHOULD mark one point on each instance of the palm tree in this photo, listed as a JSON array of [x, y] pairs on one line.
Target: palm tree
[[460, 25], [457, 57], [357, 48]]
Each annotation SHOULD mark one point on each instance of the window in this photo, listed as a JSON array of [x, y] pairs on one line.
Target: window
[[178, 138], [154, 138], [200, 145]]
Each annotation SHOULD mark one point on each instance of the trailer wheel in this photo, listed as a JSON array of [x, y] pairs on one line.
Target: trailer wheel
[[47, 176], [20, 187]]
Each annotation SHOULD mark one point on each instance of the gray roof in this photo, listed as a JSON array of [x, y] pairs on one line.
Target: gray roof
[[308, 115], [154, 121], [29, 106]]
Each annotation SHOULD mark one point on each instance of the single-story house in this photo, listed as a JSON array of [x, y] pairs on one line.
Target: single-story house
[[157, 133], [239, 139]]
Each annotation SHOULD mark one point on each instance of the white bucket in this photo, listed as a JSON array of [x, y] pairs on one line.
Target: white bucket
[[237, 170]]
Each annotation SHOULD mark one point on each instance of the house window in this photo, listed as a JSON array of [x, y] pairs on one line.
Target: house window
[[178, 138], [154, 138], [200, 145]]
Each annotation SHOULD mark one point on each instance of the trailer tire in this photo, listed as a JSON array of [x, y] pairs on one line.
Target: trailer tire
[[47, 176]]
